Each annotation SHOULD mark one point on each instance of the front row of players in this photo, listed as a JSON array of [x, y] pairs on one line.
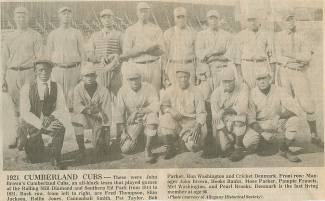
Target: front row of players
[[243, 121]]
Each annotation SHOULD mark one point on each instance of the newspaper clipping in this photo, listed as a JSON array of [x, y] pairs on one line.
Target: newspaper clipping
[[210, 100]]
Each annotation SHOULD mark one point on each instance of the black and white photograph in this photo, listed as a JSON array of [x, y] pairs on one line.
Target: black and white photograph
[[161, 84]]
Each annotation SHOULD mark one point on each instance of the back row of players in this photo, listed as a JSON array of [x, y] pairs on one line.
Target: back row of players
[[209, 79]]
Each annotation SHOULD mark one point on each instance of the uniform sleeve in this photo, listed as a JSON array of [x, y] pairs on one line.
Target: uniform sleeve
[[120, 108], [236, 48], [287, 102], [200, 48], [78, 104], [216, 110], [5, 54], [25, 107], [200, 111], [38, 46], [230, 51], [270, 48], [81, 46], [127, 41], [306, 49], [278, 50], [252, 110], [106, 107], [242, 103]]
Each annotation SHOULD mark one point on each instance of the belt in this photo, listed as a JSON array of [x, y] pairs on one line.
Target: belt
[[146, 62], [20, 68], [252, 60], [73, 65], [181, 61], [294, 68]]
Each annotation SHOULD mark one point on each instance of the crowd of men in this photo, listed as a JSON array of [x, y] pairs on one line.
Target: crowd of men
[[226, 94]]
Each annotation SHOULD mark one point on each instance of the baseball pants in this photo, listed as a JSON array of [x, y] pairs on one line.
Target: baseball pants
[[249, 70]]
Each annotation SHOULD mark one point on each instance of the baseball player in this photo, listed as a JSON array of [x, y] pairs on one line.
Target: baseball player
[[211, 47], [42, 106], [66, 49], [294, 54], [105, 46], [92, 110], [143, 46], [19, 50], [253, 49], [138, 107], [183, 115], [179, 44], [272, 110], [229, 104]]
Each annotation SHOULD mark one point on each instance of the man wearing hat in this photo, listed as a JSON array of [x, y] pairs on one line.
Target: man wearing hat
[[138, 107], [253, 49], [183, 115], [103, 51], [42, 108], [212, 46], [143, 46], [272, 110], [229, 104], [179, 44], [92, 110], [66, 50], [19, 50], [294, 54]]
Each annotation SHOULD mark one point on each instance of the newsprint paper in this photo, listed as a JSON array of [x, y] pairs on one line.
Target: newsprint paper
[[210, 100]]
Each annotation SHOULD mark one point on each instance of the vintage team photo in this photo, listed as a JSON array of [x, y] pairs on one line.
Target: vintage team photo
[[161, 84]]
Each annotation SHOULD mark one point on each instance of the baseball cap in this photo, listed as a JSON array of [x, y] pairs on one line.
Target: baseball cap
[[142, 5], [87, 68], [43, 59], [65, 8], [106, 12], [261, 73], [180, 11], [228, 74], [214, 13], [182, 70], [21, 10], [134, 73], [288, 14], [251, 15]]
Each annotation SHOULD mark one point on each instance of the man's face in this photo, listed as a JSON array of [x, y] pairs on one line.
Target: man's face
[[229, 85], [264, 82], [135, 83], [89, 79], [213, 22], [107, 20], [253, 24], [183, 80], [43, 71], [21, 19], [180, 20], [143, 13], [290, 22], [65, 17]]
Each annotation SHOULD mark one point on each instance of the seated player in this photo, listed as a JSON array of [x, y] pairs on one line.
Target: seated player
[[92, 110], [229, 104], [42, 106], [183, 115], [138, 107], [272, 110]]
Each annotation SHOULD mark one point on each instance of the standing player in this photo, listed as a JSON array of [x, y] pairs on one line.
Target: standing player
[[65, 47], [253, 50], [18, 54], [105, 46], [179, 44], [294, 54], [143, 46]]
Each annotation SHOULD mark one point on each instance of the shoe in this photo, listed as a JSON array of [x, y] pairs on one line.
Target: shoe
[[208, 154], [57, 164], [148, 157], [288, 155], [170, 153], [81, 156], [317, 141], [237, 155]]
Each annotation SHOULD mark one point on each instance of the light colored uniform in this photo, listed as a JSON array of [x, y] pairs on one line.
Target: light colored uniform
[[293, 75], [128, 102], [149, 66], [248, 44], [100, 101], [19, 51], [102, 44], [190, 104], [265, 109], [66, 50], [179, 44], [234, 123], [208, 42]]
